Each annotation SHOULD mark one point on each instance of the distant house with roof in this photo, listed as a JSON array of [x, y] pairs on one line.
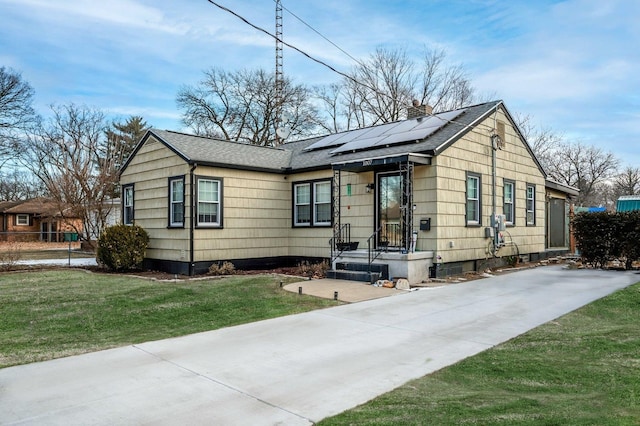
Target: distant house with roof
[[431, 195], [628, 203], [37, 219]]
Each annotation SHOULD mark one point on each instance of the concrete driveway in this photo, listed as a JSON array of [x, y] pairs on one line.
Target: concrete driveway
[[298, 369]]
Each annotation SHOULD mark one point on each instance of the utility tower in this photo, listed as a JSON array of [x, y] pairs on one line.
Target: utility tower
[[279, 77]]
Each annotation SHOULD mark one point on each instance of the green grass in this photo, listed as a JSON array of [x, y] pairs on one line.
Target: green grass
[[582, 369], [50, 314]]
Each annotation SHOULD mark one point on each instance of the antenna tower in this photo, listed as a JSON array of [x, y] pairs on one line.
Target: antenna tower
[[279, 77]]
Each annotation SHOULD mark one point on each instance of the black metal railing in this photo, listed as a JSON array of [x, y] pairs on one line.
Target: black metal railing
[[390, 237], [373, 250], [341, 241]]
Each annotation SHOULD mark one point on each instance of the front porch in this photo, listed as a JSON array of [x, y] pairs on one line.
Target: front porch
[[373, 207]]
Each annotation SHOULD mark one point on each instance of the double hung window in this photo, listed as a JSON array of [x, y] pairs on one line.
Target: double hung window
[[209, 211], [127, 204], [312, 203], [508, 206], [531, 205], [473, 199], [176, 202]]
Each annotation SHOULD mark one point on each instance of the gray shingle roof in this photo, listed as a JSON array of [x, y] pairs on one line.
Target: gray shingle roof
[[293, 157], [203, 150], [432, 145]]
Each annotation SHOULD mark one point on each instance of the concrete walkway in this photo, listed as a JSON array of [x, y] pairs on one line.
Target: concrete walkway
[[347, 291], [299, 369]]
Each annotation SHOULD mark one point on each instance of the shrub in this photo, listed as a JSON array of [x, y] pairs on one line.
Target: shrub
[[225, 268], [10, 254], [630, 229], [595, 235], [122, 247], [318, 270], [603, 237]]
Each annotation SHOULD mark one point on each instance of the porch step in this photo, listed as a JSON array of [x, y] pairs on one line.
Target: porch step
[[342, 274], [354, 271]]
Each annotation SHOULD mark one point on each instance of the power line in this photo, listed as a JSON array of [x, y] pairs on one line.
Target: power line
[[282, 41], [321, 35], [347, 76]]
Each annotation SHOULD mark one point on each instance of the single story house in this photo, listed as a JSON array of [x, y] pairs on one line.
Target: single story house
[[37, 219], [434, 194]]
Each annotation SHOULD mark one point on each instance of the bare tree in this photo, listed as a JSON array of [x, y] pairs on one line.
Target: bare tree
[[65, 155], [329, 97], [627, 182], [241, 106], [444, 87], [380, 88], [583, 167], [544, 141], [18, 184], [16, 112]]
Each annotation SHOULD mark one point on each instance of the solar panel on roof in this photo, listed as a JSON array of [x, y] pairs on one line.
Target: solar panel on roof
[[403, 132], [386, 134]]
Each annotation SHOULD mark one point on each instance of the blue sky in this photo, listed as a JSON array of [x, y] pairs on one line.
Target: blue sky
[[573, 66]]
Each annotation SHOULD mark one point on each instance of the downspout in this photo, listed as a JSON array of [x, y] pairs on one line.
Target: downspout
[[192, 218], [494, 149]]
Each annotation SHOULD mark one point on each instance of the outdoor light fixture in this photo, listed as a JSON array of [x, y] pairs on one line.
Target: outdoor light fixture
[[370, 187]]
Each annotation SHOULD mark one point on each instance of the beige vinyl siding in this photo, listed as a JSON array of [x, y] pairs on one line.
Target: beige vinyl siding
[[425, 200], [149, 171], [358, 208], [472, 153], [255, 214], [304, 240]]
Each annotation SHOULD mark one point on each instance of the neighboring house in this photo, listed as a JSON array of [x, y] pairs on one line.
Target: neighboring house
[[417, 197], [38, 219], [111, 209], [628, 203]]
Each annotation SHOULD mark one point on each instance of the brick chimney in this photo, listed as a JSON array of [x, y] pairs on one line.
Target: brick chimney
[[418, 110]]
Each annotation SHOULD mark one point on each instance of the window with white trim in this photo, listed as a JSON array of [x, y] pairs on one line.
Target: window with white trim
[[322, 203], [312, 203], [127, 204], [176, 202], [531, 205], [302, 204], [209, 211], [508, 202], [22, 219], [473, 199]]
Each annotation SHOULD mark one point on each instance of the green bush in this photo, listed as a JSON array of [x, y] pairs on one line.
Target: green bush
[[122, 247], [602, 237], [630, 244]]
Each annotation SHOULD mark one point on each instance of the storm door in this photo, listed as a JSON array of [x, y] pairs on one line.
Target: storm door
[[389, 214]]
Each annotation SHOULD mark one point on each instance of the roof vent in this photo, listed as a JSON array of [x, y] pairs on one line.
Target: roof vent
[[418, 110]]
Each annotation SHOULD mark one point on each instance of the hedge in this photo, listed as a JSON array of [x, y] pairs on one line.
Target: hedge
[[602, 237]]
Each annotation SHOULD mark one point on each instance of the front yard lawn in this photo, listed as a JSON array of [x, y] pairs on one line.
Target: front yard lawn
[[51, 314]]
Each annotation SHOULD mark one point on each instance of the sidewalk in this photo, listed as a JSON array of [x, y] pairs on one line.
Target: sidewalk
[[299, 369]]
